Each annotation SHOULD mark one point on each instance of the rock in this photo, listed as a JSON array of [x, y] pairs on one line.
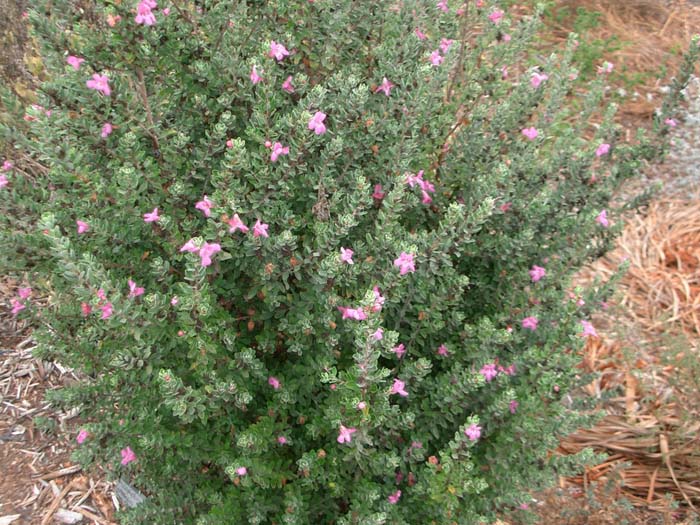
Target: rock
[[128, 494]]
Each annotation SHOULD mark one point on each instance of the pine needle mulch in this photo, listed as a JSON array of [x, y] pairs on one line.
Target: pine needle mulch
[[652, 428], [650, 393], [651, 34]]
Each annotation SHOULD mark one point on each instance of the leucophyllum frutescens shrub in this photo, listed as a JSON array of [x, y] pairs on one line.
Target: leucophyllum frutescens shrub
[[312, 258]]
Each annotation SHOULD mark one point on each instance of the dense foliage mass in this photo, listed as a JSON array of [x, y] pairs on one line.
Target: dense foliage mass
[[313, 258]]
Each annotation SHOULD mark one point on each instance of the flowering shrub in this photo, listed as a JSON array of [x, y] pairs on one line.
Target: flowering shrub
[[313, 258]]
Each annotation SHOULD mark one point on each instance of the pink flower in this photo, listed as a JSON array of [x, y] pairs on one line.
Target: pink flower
[[85, 309], [588, 329], [7, 165], [398, 388], [278, 51], [445, 45], [17, 307], [282, 440], [189, 246], [345, 434], [529, 323], [537, 79], [361, 405], [346, 255], [260, 229], [378, 334], [166, 11], [473, 432], [394, 498], [99, 83], [143, 13], [405, 263], [152, 216], [378, 193], [358, 314], [106, 130], [509, 370], [378, 299], [206, 251], [101, 295], [670, 122], [316, 123], [74, 62], [489, 371], [241, 471], [273, 382], [82, 436], [442, 350], [513, 406], [399, 350], [442, 5], [107, 310], [205, 205], [506, 37], [435, 58], [602, 219], [530, 133], [385, 87], [277, 150], [412, 180], [113, 20], [504, 72], [420, 34], [235, 223], [603, 149], [426, 186], [287, 85], [4, 181], [24, 293], [607, 67], [134, 291], [254, 77], [536, 273], [496, 16]]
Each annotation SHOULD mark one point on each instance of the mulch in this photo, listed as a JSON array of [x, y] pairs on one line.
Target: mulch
[[39, 484]]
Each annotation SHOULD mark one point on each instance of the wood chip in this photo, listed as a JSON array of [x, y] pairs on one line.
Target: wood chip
[[92, 516], [68, 516], [60, 473], [55, 504]]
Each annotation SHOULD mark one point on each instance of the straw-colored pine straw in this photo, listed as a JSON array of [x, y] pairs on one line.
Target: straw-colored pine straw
[[663, 454], [662, 287], [652, 34], [651, 425]]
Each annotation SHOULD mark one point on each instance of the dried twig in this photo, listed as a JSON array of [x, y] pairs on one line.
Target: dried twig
[[56, 503], [60, 473]]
